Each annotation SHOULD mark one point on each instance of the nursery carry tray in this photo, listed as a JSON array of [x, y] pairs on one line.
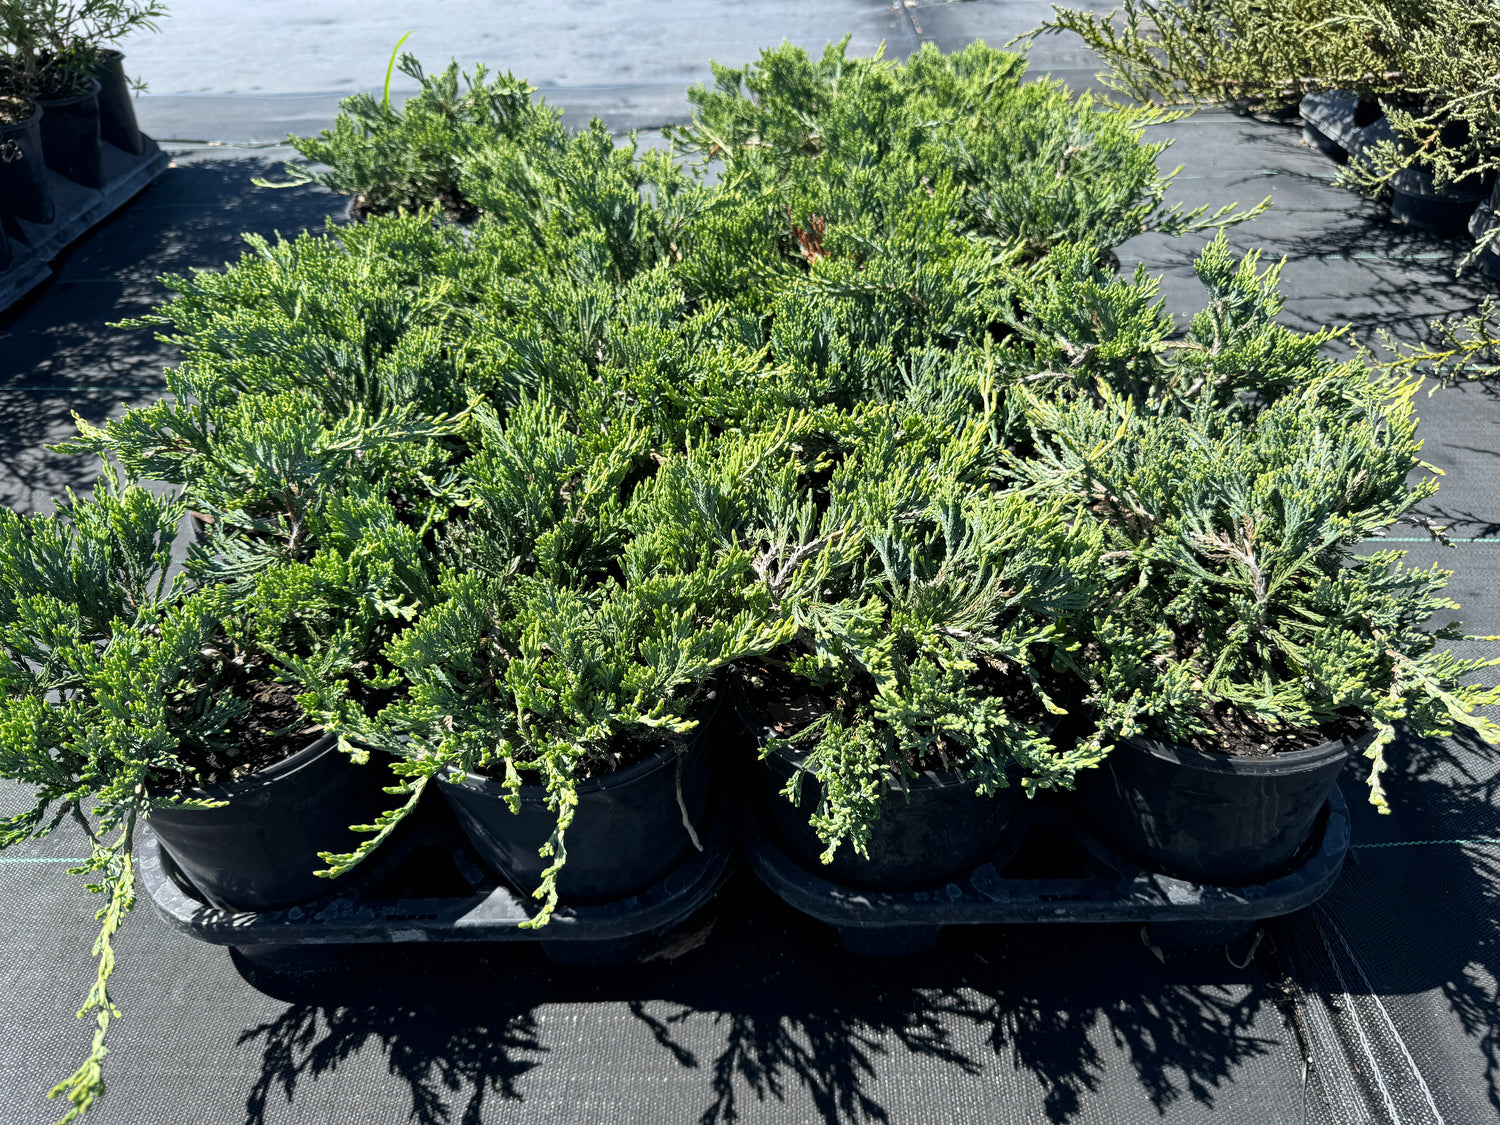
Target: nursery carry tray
[[1050, 868], [427, 884], [78, 210]]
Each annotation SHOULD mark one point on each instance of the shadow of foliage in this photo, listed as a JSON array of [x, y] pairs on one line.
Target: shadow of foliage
[[773, 1013]]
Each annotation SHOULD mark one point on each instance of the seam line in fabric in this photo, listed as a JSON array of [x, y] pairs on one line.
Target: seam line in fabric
[[1386, 1016], [1479, 841], [1373, 1064]]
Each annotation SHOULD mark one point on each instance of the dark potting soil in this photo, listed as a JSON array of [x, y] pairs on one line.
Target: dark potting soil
[[1237, 735], [56, 82], [274, 728], [789, 704], [13, 110], [456, 209]]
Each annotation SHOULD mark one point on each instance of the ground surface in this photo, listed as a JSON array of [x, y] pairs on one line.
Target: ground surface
[[1388, 987]]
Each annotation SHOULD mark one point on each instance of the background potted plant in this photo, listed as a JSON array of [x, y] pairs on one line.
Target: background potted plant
[[1425, 74], [24, 190], [54, 49], [408, 158]]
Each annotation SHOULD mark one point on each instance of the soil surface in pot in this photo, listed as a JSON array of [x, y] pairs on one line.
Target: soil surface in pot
[[1237, 735], [789, 704], [456, 209], [15, 109], [274, 727]]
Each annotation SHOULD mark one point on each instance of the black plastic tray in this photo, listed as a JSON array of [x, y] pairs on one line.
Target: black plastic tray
[[427, 885], [1050, 869], [78, 209]]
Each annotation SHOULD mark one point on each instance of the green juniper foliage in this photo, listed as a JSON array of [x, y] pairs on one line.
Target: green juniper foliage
[[1029, 166], [616, 210], [1086, 331], [408, 158], [1433, 65], [1464, 347], [1229, 552]]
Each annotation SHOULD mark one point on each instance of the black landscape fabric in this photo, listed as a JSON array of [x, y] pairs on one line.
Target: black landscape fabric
[[1379, 1005]]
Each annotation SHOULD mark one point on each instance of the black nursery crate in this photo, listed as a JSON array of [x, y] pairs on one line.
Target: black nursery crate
[[33, 246], [428, 885], [1051, 869]]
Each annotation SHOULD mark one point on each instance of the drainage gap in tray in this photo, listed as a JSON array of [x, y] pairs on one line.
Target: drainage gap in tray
[[1051, 853], [427, 871]]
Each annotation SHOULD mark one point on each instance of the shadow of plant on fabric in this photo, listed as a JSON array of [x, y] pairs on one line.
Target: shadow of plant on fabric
[[739, 1033], [830, 1031], [479, 1055]]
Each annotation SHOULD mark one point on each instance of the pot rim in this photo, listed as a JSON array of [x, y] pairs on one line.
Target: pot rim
[[1269, 765], [922, 779], [72, 99], [535, 791], [228, 790]]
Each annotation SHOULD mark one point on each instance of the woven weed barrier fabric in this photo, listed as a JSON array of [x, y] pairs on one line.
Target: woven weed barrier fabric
[[1379, 1005]]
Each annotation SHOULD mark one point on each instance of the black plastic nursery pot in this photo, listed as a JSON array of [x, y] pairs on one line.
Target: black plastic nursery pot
[[629, 830], [1051, 869], [936, 828], [70, 136], [24, 191], [260, 850], [1336, 122], [1341, 125], [1212, 818], [117, 123], [1485, 218], [1417, 200]]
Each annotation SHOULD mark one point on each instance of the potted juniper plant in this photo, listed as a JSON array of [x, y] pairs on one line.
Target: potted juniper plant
[[921, 689], [915, 687], [559, 689], [1249, 649], [407, 158], [56, 51], [131, 696]]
